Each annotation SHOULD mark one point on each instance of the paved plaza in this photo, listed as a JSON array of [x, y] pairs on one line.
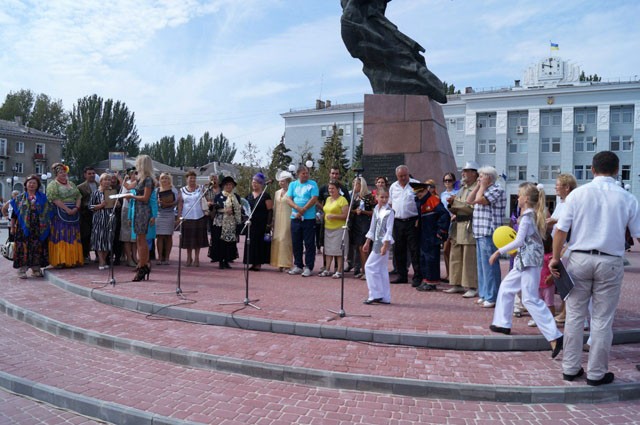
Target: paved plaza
[[81, 348]]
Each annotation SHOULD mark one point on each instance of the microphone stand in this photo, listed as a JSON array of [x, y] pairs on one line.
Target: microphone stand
[[341, 313], [112, 229], [179, 292], [247, 250]]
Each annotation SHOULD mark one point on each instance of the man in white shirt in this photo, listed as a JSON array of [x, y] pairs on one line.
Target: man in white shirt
[[405, 232], [598, 215]]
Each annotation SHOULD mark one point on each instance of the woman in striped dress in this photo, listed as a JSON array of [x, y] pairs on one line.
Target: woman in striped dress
[[102, 225]]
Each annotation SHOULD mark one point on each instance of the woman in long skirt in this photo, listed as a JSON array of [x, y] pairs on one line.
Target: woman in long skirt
[[281, 245], [30, 226], [102, 226], [261, 204], [381, 236], [228, 215]]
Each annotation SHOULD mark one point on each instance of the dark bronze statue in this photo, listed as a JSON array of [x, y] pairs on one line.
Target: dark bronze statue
[[392, 61]]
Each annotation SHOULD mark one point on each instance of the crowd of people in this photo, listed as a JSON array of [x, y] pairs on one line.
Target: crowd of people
[[357, 231]]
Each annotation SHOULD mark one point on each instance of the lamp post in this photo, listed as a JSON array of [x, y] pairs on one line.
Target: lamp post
[[14, 170], [45, 178]]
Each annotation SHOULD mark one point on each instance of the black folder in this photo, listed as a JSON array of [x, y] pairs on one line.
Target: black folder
[[564, 283]]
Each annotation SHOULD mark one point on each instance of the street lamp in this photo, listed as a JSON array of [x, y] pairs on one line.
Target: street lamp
[[45, 178], [14, 170]]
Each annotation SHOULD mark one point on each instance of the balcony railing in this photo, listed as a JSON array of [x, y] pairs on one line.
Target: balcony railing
[[38, 157]]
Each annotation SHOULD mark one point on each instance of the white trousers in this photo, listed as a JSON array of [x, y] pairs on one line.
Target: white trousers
[[377, 272], [527, 281], [599, 278]]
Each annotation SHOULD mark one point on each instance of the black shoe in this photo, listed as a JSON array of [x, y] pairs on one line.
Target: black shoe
[[573, 377], [557, 348], [416, 282], [606, 379], [400, 280], [499, 329], [426, 287], [380, 301], [368, 301], [394, 271]]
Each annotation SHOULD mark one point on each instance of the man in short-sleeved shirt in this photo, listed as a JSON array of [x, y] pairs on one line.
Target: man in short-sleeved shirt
[[598, 214], [302, 196], [490, 202]]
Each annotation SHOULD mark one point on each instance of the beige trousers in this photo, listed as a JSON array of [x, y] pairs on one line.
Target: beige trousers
[[463, 266]]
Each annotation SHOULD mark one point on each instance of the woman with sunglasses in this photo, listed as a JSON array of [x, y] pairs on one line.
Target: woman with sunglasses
[[449, 191]]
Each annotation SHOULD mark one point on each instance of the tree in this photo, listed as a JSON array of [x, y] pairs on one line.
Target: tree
[[163, 151], [185, 153], [449, 89], [593, 77], [39, 112], [280, 158], [223, 151], [248, 168], [333, 154], [98, 127]]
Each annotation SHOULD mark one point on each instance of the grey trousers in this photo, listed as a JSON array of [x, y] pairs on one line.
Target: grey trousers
[[598, 277]]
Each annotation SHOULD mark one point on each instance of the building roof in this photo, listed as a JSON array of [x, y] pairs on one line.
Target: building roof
[[13, 128], [158, 167]]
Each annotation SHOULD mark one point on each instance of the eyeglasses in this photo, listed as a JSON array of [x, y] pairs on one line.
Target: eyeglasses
[[447, 181]]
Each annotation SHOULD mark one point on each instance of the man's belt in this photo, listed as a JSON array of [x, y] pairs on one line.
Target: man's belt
[[463, 219], [593, 252], [403, 220]]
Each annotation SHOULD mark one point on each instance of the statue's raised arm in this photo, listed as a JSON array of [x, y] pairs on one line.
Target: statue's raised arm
[[392, 61]]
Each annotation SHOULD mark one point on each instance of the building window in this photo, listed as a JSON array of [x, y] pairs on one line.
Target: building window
[[459, 148], [460, 124], [585, 117], [347, 129], [621, 143], [340, 131], [625, 172], [550, 144], [549, 172], [40, 148], [1, 165], [487, 146], [584, 144], [358, 129], [3, 147], [517, 172], [19, 147], [41, 168], [582, 172], [19, 168], [492, 122], [517, 145]]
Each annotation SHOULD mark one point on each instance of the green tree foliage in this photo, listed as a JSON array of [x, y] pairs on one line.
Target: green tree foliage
[[333, 154], [185, 153], [39, 112], [280, 159], [247, 169], [164, 150], [98, 127], [449, 88], [223, 150], [593, 77]]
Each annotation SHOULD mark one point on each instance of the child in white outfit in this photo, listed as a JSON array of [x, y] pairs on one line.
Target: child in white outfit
[[525, 275], [377, 266]]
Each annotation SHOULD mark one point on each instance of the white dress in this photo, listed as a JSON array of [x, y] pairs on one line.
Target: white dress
[[377, 267]]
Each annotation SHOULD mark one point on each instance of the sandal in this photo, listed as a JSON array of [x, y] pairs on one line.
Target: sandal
[[336, 275], [324, 273], [37, 273], [22, 275]]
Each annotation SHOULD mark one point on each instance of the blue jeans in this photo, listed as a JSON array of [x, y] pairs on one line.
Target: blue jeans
[[488, 275], [303, 232]]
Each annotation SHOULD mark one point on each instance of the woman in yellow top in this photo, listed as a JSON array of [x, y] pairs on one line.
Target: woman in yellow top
[[335, 216]]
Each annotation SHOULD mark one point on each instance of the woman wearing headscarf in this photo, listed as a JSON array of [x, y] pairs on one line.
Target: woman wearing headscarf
[[65, 246], [228, 214], [281, 245], [262, 206], [30, 226]]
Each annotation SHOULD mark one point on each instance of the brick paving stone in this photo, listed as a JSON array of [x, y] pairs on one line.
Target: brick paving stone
[[19, 410]]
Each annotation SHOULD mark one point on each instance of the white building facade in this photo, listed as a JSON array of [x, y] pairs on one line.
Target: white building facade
[[550, 124]]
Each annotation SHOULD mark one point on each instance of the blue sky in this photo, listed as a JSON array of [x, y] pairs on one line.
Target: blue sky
[[233, 66]]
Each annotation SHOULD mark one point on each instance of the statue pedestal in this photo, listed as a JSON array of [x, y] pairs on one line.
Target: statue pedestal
[[405, 129]]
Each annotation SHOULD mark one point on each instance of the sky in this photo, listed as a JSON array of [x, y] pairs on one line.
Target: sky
[[233, 66]]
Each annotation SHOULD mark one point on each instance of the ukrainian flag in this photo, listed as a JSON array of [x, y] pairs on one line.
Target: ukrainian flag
[[554, 46]]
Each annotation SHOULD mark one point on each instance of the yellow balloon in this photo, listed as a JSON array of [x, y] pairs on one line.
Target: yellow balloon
[[503, 236]]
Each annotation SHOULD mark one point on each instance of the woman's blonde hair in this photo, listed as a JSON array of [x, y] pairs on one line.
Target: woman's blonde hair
[[169, 176], [536, 199], [144, 166], [364, 189]]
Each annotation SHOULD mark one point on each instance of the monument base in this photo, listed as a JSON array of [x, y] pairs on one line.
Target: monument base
[[405, 129]]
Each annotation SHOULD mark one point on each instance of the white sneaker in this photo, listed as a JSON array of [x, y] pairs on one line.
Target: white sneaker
[[306, 272], [295, 270], [454, 290], [471, 293], [479, 301], [488, 304], [531, 323]]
